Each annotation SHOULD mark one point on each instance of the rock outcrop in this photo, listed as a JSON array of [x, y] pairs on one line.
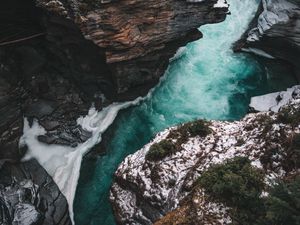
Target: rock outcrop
[[275, 32], [146, 189], [138, 37], [29, 196]]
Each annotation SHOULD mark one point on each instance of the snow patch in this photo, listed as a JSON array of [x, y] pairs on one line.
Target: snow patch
[[273, 101], [221, 4], [258, 52]]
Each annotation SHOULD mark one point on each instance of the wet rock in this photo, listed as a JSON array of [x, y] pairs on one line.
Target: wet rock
[[29, 196], [40, 109]]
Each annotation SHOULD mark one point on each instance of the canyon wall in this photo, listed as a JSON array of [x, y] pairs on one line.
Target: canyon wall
[[57, 57], [138, 37]]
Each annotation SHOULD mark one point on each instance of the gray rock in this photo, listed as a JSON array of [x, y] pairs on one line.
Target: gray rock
[[28, 196], [275, 32]]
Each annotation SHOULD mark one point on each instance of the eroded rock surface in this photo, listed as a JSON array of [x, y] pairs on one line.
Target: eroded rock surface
[[138, 36], [145, 190], [275, 32], [29, 196]]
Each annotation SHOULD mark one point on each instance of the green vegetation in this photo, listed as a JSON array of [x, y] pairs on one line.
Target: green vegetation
[[292, 156], [167, 147], [289, 115], [240, 141], [289, 153], [239, 186], [266, 121], [88, 5], [199, 127], [191, 129], [296, 142], [283, 204], [160, 150]]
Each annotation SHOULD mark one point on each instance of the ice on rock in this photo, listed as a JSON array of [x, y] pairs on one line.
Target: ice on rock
[[273, 101], [221, 4]]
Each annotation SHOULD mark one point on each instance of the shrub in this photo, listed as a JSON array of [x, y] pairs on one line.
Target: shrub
[[293, 152], [198, 127], [290, 155], [88, 5], [283, 204], [235, 182], [296, 142], [238, 185], [160, 150], [183, 132], [289, 115], [191, 129], [240, 142]]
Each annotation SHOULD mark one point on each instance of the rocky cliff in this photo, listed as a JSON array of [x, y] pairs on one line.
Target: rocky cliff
[[275, 32], [57, 57], [163, 175], [138, 37]]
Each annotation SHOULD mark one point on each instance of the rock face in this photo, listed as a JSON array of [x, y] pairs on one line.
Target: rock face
[[275, 32], [138, 37], [79, 52], [29, 196], [145, 190]]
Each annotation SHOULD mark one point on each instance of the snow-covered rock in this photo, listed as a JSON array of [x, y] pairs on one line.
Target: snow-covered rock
[[146, 190], [274, 101]]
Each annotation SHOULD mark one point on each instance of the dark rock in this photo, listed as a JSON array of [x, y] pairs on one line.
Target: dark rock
[[276, 31], [138, 37], [28, 196], [84, 56], [40, 109]]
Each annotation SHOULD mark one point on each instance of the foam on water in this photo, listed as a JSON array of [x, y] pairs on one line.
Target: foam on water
[[63, 162], [205, 80]]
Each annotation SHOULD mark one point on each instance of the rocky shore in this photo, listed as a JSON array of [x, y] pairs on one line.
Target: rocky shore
[[159, 182]]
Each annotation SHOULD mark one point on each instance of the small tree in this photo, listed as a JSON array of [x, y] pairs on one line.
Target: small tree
[[283, 204], [199, 127], [160, 150], [238, 185]]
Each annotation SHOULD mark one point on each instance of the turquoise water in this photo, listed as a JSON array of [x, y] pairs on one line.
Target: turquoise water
[[207, 81]]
